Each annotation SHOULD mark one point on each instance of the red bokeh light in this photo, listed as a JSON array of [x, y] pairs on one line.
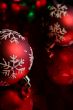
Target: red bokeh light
[[16, 7], [43, 2], [40, 3], [3, 6]]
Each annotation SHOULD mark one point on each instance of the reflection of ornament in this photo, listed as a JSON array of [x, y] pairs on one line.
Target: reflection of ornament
[[16, 56], [60, 67], [58, 11]]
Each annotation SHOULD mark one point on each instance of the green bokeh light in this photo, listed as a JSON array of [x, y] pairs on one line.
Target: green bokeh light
[[49, 6], [31, 15]]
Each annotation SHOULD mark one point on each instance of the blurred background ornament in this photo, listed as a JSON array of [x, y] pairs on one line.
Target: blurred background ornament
[[60, 69], [60, 29], [60, 43]]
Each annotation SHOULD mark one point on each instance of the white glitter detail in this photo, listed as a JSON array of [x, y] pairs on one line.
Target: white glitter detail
[[11, 66], [58, 11], [57, 31], [31, 58], [12, 35]]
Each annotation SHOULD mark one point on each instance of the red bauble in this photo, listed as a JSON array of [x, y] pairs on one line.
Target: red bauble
[[60, 68], [16, 57], [61, 29]]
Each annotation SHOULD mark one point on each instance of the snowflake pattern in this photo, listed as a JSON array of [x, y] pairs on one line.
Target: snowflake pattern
[[58, 11], [31, 58], [57, 31], [12, 35], [11, 66]]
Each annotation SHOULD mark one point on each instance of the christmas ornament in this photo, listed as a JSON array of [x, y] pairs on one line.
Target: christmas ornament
[[60, 68], [61, 26], [16, 57]]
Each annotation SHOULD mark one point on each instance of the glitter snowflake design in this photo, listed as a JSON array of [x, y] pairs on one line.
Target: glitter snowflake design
[[11, 66], [58, 11], [12, 35], [57, 31], [31, 59]]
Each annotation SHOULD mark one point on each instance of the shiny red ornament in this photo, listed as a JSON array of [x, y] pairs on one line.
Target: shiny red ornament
[[16, 57], [60, 68]]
